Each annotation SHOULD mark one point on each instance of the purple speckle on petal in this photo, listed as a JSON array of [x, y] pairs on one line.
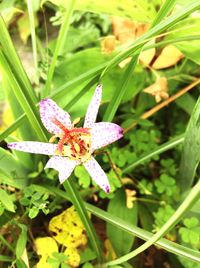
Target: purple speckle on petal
[[107, 188]]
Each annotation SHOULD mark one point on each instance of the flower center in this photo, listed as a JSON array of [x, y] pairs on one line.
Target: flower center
[[74, 143]]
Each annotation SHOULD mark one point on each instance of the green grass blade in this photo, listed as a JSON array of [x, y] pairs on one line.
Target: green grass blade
[[121, 91], [80, 207], [62, 90], [83, 91], [145, 235], [26, 103], [33, 35], [164, 11], [131, 229], [191, 150], [162, 148], [12, 57], [59, 44], [192, 197], [162, 26]]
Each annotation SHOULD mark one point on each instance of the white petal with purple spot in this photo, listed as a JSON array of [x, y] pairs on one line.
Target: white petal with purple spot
[[93, 108], [97, 174], [34, 147], [49, 111], [104, 133], [63, 165]]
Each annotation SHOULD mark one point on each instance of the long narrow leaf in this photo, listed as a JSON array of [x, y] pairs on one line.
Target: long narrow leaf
[[131, 229], [59, 44], [26, 103], [33, 35], [162, 26], [122, 89], [62, 90], [11, 55], [80, 207], [188, 202], [191, 150], [162, 148]]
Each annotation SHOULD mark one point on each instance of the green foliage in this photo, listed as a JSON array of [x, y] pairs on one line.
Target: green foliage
[[166, 185], [162, 215], [190, 233], [121, 241], [83, 176], [58, 260], [35, 202], [70, 65]]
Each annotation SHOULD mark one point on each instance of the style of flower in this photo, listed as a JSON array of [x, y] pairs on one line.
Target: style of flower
[[75, 145]]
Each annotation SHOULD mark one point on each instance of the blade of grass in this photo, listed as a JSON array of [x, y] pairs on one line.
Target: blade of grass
[[33, 36], [80, 207], [8, 245], [139, 232], [164, 11], [180, 211], [62, 90], [26, 103], [157, 29], [121, 90], [191, 150], [83, 91], [162, 148], [13, 59], [59, 44]]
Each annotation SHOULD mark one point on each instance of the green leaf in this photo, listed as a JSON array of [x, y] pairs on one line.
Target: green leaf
[[10, 165], [162, 148], [186, 27], [175, 218], [157, 29], [20, 263], [141, 10], [121, 91], [14, 61], [33, 34], [80, 208], [191, 151], [25, 100], [6, 200], [121, 241], [60, 42], [22, 240], [131, 229]]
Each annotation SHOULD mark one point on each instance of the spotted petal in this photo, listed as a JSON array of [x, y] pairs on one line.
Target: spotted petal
[[97, 174], [93, 108], [34, 147], [104, 133], [51, 112], [63, 165]]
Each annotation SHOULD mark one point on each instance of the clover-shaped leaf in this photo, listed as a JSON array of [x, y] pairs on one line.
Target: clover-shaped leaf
[[191, 232], [168, 166], [145, 187], [166, 184]]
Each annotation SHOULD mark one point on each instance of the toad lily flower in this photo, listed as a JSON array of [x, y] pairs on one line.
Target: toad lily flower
[[75, 145]]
